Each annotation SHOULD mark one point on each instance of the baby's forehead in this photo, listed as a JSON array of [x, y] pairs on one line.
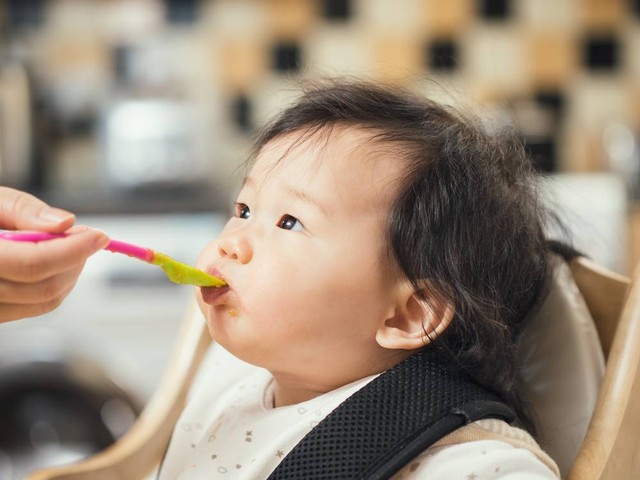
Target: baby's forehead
[[342, 166], [349, 144]]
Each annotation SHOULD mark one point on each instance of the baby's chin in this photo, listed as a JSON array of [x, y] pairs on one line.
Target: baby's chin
[[245, 351], [232, 311], [223, 320]]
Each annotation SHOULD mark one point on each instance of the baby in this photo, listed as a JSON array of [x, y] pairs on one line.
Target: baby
[[373, 224]]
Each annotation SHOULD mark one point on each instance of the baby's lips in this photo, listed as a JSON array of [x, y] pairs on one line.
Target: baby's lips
[[211, 295], [213, 271]]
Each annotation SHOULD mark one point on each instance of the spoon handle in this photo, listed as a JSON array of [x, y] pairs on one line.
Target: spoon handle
[[141, 253]]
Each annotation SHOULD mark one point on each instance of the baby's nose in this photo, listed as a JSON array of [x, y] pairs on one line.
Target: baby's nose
[[236, 247]]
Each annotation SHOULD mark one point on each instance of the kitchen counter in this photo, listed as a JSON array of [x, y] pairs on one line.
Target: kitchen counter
[[101, 201]]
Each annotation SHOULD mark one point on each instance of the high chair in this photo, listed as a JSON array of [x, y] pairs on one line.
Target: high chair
[[609, 449]]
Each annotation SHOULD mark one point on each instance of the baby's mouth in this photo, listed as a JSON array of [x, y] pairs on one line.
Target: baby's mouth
[[211, 295]]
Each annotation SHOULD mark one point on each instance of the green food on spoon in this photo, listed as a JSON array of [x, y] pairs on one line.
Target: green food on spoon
[[182, 273]]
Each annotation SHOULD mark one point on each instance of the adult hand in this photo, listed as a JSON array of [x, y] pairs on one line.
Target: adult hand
[[36, 277]]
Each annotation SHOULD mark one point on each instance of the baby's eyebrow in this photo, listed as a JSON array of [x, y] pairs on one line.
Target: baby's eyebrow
[[306, 198], [294, 192], [247, 181]]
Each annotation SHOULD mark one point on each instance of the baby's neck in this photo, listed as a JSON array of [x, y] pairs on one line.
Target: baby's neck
[[287, 391], [288, 394], [291, 388]]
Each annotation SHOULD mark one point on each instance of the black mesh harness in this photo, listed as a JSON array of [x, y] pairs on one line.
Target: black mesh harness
[[387, 423]]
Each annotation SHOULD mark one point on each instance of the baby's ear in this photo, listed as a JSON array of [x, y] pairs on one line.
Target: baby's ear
[[415, 321]]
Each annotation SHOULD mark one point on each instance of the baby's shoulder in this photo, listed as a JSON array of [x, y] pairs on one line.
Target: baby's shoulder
[[490, 449]]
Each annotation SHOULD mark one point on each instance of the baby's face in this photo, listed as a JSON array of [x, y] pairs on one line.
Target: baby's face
[[305, 259]]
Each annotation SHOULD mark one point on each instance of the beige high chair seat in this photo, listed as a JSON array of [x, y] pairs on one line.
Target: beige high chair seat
[[580, 361]]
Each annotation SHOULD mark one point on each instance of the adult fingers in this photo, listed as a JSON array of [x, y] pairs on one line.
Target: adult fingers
[[33, 262], [20, 210], [47, 290], [14, 311]]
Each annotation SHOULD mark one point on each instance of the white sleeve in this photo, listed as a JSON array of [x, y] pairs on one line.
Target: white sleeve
[[478, 460]]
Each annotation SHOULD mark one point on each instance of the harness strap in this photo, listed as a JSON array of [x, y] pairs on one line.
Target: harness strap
[[391, 420]]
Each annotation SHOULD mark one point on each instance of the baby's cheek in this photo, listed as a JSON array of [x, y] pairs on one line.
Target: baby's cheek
[[257, 302], [274, 292]]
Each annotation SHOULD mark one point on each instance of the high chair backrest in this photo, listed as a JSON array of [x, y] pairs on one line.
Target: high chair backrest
[[562, 357], [609, 450]]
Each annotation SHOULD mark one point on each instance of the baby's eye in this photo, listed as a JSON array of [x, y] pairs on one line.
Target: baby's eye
[[242, 211], [288, 222]]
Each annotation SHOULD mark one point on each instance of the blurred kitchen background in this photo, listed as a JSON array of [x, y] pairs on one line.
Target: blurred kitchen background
[[136, 114]]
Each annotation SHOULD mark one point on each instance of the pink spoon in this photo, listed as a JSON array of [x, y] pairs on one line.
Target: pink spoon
[[176, 271]]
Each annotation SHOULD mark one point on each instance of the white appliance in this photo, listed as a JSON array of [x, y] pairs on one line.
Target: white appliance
[[155, 142]]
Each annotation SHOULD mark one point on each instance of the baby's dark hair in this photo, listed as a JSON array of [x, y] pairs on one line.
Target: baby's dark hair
[[466, 217]]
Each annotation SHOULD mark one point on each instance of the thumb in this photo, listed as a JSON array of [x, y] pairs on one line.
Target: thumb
[[20, 210]]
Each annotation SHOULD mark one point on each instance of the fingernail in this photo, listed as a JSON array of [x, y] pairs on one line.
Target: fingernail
[[101, 242], [55, 215], [78, 229]]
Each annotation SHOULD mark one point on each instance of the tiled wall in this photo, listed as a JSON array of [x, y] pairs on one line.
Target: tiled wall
[[566, 71]]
